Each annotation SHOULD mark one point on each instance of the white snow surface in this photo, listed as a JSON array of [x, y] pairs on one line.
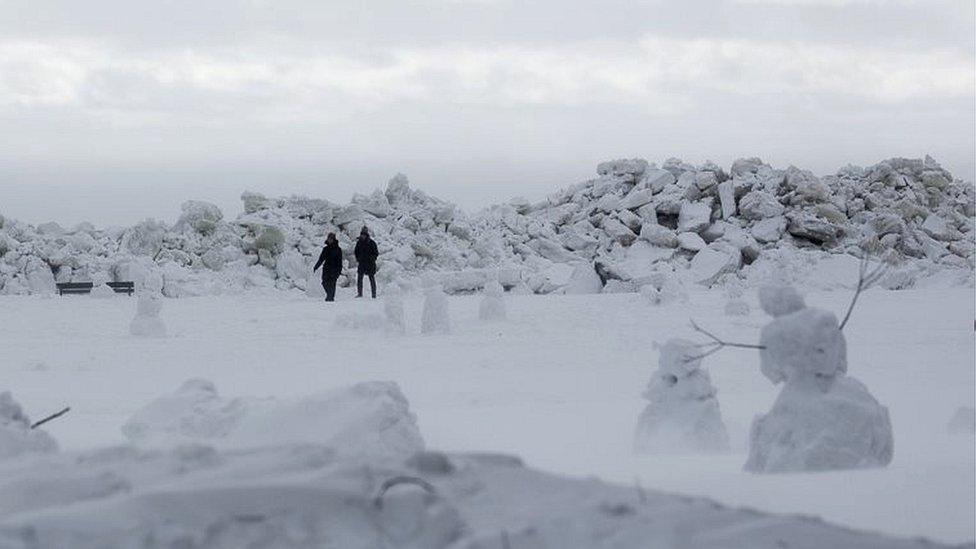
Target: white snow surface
[[558, 384]]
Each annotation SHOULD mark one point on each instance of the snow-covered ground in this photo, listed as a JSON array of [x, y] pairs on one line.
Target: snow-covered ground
[[559, 384]]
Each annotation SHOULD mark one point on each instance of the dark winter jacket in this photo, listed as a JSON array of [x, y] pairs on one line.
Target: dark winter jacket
[[366, 254], [330, 260]]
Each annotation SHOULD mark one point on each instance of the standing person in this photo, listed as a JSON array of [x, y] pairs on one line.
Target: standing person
[[366, 254], [331, 262]]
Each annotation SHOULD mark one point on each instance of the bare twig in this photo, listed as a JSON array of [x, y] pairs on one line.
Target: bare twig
[[38, 423], [717, 344], [391, 482], [866, 277]]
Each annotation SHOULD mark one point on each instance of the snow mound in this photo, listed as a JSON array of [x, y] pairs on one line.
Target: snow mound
[[683, 414], [360, 321], [147, 322], [102, 291], [963, 421], [367, 419], [16, 436], [492, 306], [843, 427], [305, 497]]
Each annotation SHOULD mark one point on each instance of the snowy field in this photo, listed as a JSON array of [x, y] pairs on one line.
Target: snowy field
[[558, 384]]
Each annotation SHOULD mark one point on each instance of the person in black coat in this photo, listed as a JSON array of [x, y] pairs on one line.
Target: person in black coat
[[366, 254], [331, 262]]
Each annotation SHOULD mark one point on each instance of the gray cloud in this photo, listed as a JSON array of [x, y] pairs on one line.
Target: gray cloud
[[476, 100]]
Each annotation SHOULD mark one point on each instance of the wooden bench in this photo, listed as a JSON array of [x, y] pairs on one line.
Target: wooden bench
[[127, 288]]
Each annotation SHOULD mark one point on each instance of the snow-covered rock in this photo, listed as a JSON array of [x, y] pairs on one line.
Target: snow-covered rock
[[713, 261], [758, 205], [691, 242], [200, 216], [584, 280], [694, 217], [682, 414]]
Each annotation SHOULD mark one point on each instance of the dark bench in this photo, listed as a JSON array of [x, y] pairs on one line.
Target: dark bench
[[86, 287]]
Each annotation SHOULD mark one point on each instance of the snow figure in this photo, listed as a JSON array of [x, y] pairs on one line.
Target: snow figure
[[393, 310], [313, 284], [147, 322], [822, 419], [492, 305], [101, 289], [16, 436], [682, 414], [436, 318]]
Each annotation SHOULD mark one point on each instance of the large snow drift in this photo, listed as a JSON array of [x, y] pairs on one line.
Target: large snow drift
[[366, 419]]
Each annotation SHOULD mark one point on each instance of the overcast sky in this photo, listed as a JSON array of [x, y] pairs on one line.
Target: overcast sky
[[117, 110]]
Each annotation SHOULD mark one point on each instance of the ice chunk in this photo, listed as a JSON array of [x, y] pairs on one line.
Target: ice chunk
[[843, 427], [584, 280], [202, 217], [492, 306], [682, 414], [694, 217]]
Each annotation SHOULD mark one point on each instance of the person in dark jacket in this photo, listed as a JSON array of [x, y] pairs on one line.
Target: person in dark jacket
[[331, 262], [366, 254]]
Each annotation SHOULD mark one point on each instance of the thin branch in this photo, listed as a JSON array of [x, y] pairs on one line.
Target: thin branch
[[50, 417], [717, 343], [865, 279]]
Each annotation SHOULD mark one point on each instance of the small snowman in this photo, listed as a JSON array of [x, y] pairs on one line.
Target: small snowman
[[492, 306], [436, 318], [682, 414], [147, 323]]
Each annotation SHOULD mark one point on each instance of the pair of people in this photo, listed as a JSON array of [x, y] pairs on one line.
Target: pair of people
[[331, 262]]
